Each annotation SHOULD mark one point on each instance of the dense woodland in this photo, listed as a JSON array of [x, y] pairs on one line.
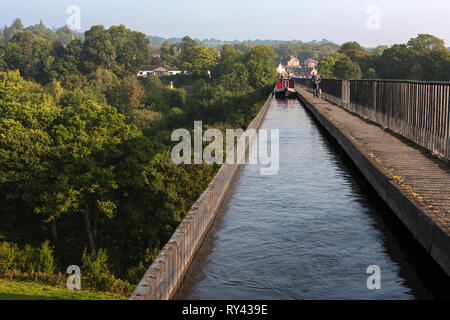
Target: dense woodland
[[85, 170]]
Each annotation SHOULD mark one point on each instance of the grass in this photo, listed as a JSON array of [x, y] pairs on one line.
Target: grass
[[26, 290]]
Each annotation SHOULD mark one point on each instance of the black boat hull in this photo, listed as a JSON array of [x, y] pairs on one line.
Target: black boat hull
[[284, 93], [291, 94], [280, 93]]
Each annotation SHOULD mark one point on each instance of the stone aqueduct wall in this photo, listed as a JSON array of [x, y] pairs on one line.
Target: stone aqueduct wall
[[162, 279]]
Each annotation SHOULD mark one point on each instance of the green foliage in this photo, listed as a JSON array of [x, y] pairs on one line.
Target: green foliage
[[131, 49], [27, 259], [305, 50], [30, 55], [8, 254], [127, 95], [259, 61], [422, 58], [168, 54], [238, 79], [378, 51], [345, 68], [325, 66], [8, 32], [371, 74], [27, 290], [98, 51], [197, 60], [96, 274], [63, 35]]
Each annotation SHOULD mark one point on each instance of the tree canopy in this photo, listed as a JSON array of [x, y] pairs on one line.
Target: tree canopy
[[422, 58]]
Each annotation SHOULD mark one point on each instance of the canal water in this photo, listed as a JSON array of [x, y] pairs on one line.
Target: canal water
[[308, 232]]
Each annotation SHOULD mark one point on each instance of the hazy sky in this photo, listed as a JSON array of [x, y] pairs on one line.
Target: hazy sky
[[335, 20]]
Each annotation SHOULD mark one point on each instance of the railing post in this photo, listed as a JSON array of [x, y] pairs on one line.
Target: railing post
[[345, 94]]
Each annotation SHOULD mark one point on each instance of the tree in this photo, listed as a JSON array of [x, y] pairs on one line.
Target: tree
[[228, 58], [167, 52], [25, 142], [259, 62], [65, 35], [19, 53], [197, 60], [15, 27], [187, 43], [31, 56], [131, 48], [357, 54], [41, 31], [378, 51], [426, 42], [371, 74], [350, 46], [3, 65], [237, 79], [98, 51], [396, 63], [89, 136], [126, 96], [423, 58], [325, 66], [429, 55], [345, 68], [67, 64]]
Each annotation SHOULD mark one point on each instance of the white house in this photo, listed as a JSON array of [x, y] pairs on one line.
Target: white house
[[146, 71], [280, 68]]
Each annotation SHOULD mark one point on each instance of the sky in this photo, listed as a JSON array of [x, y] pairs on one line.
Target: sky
[[370, 22]]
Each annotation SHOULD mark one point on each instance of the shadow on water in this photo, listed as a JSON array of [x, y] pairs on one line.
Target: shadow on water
[[325, 261]]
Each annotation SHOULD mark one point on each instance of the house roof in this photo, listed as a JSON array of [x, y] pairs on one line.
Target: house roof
[[284, 61], [157, 68], [304, 71], [149, 68], [294, 68]]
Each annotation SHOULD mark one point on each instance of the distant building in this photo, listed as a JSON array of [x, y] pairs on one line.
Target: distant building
[[293, 69], [280, 68], [282, 65], [159, 71], [291, 61], [304, 72], [310, 63]]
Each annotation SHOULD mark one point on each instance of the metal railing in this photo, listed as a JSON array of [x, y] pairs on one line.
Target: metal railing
[[416, 110]]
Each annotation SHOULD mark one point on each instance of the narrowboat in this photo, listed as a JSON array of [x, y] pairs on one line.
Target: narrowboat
[[285, 89]]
